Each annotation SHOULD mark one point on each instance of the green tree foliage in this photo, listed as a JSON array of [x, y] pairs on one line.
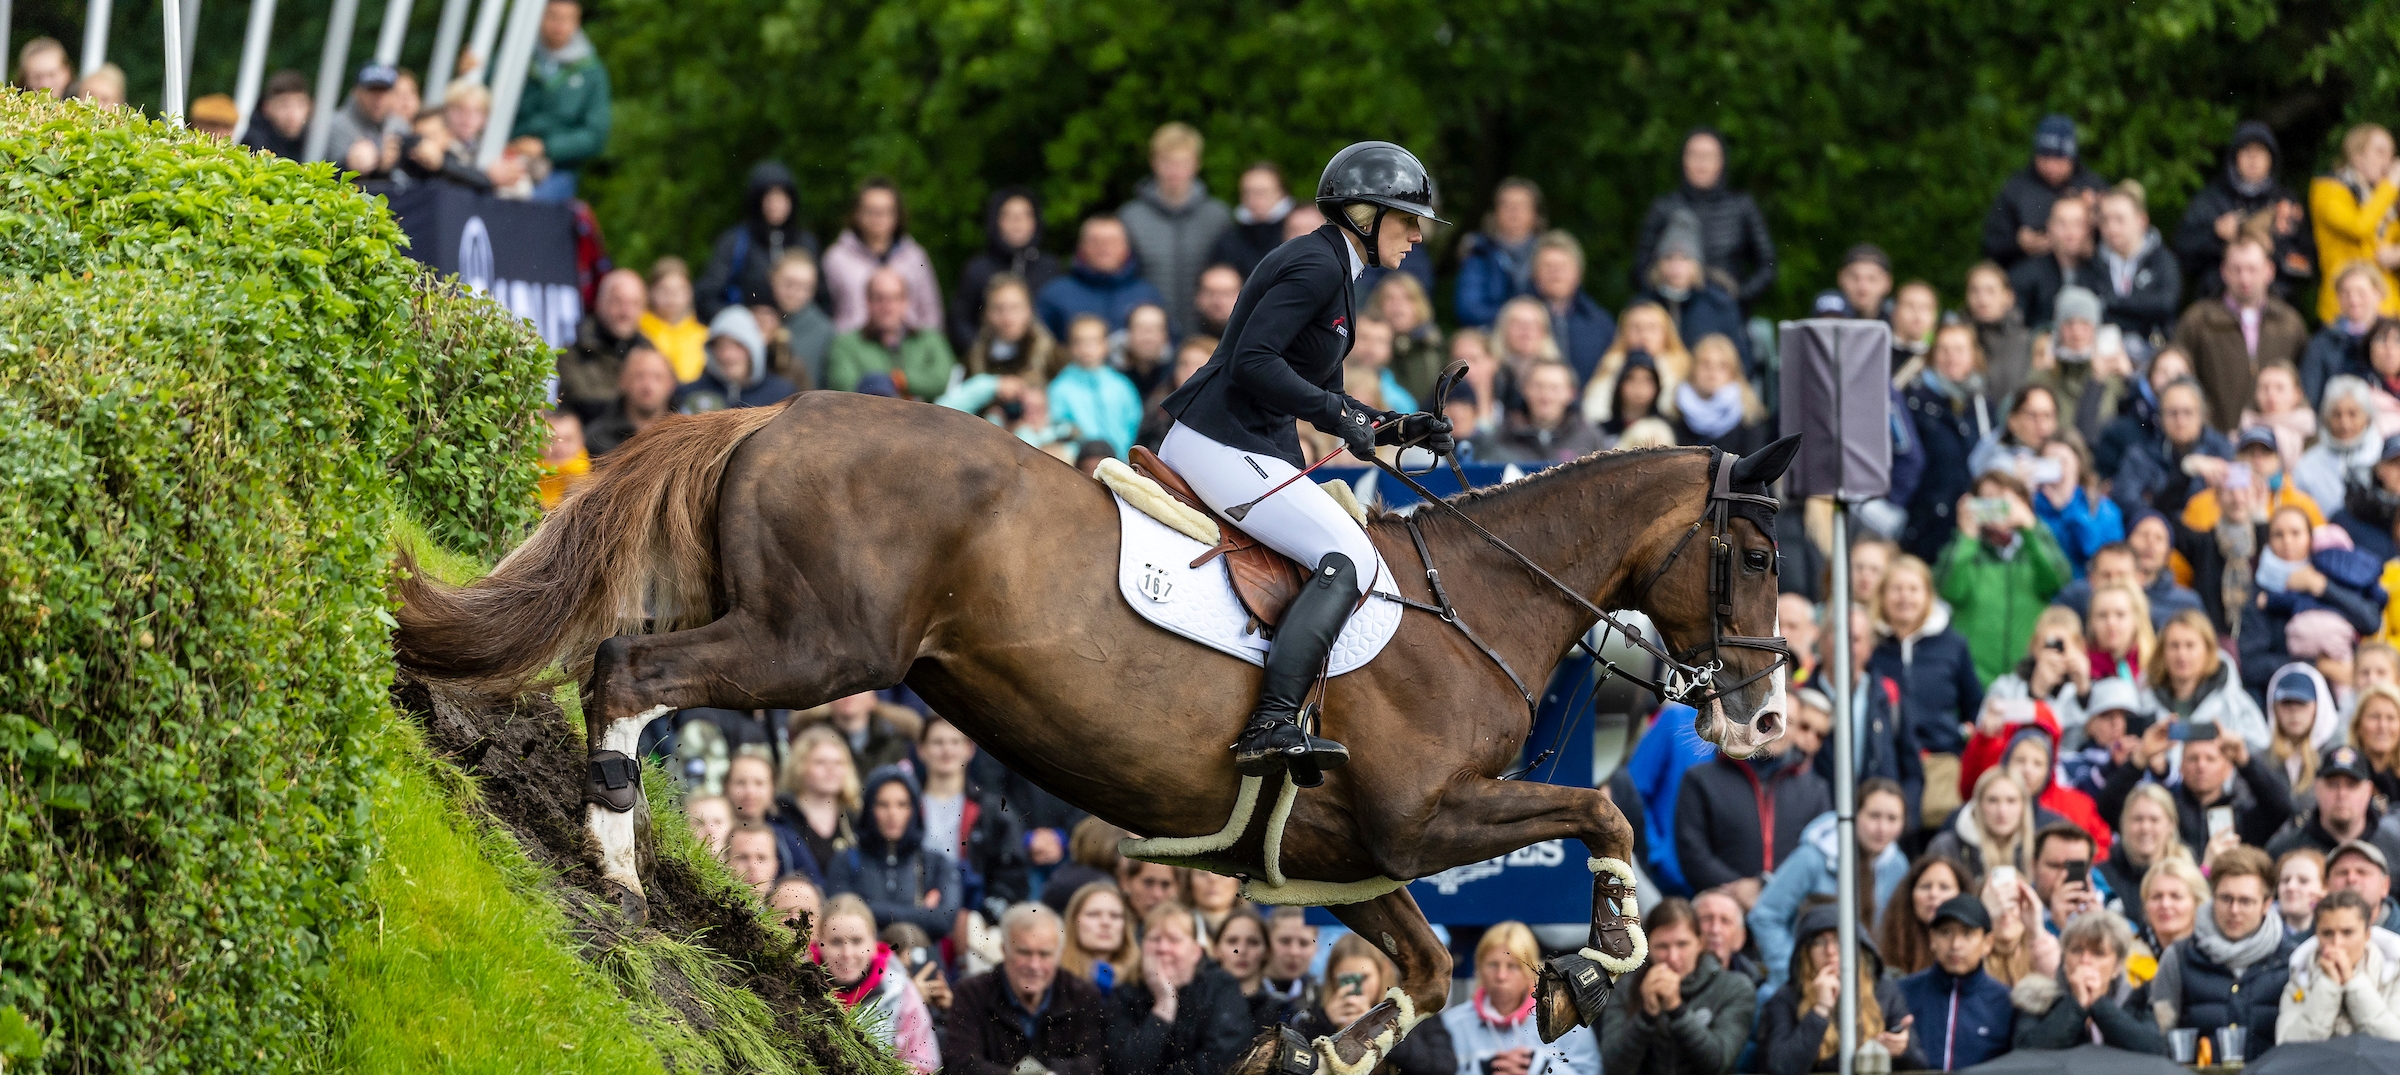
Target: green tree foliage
[[1878, 121], [210, 365]]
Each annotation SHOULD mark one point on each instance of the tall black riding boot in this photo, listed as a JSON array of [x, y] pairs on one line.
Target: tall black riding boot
[[1273, 738]]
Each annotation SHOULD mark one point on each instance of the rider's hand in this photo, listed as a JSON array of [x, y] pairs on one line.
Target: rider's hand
[[1432, 428], [1356, 427]]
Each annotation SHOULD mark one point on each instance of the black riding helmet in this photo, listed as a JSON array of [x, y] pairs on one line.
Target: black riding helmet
[[1379, 174]]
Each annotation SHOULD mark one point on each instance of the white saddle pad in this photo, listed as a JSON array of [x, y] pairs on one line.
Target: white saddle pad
[[1199, 604]]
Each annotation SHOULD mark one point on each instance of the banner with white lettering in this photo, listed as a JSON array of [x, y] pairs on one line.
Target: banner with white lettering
[[522, 254]]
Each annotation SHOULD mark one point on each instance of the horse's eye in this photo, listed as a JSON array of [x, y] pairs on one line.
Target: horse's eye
[[1757, 559]]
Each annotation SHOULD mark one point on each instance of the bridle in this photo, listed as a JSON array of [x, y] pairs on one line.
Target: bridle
[[1683, 680]]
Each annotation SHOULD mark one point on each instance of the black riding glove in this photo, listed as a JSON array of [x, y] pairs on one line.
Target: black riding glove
[[1431, 432], [1356, 427]]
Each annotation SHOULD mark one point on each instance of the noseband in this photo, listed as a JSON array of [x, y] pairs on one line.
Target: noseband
[[1683, 681]]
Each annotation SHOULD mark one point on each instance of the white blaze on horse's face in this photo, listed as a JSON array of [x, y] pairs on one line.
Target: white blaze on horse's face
[[1739, 740]]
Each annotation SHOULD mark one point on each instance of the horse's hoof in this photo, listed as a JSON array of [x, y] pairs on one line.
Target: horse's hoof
[[1571, 992], [1280, 1051], [630, 902]]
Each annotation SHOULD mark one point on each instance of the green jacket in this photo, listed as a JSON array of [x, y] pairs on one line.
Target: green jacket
[[566, 103], [1701, 1037], [924, 359], [1994, 601]]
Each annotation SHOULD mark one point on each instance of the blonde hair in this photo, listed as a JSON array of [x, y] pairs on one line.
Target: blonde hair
[[2355, 141], [1499, 335], [1354, 947], [1513, 937], [2157, 795], [1870, 1013], [2190, 619], [2178, 868], [1405, 288], [2145, 639], [846, 905], [1911, 565], [1715, 348], [667, 266], [2016, 849], [2380, 692], [1674, 360], [1078, 960], [467, 92], [2359, 267], [2055, 618], [1650, 432], [1176, 136], [795, 764]]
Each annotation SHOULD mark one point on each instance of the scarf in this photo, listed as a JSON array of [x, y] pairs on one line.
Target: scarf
[[1957, 392], [547, 62], [852, 995], [1492, 1017], [1710, 416], [2123, 267], [2235, 955], [2274, 573]]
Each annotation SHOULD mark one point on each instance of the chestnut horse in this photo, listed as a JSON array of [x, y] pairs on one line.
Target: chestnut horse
[[785, 556]]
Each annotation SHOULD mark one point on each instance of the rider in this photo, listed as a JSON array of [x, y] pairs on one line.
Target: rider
[[1280, 360]]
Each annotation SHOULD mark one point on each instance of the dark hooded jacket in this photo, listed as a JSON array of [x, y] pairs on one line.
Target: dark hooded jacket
[[2024, 202], [893, 876], [1029, 262], [1790, 1037], [1728, 812], [1249, 240], [1735, 246], [741, 268], [1703, 1035], [2196, 240]]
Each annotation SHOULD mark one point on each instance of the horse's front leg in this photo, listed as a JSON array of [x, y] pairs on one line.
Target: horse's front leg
[[1393, 923], [1482, 817]]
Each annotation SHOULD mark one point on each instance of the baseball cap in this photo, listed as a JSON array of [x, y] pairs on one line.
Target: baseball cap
[[2054, 137], [2259, 437], [2373, 853], [2114, 693], [2294, 688], [2346, 761], [1964, 910], [378, 76]]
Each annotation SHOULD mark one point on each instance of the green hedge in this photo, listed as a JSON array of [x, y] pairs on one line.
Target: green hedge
[[211, 368]]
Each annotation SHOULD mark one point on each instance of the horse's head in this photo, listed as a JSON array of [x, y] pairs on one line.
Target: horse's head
[[1713, 602]]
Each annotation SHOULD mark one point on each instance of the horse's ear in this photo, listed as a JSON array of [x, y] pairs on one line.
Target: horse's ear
[[1760, 469]]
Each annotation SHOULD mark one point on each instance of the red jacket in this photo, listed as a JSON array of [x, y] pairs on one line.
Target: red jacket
[[1986, 750]]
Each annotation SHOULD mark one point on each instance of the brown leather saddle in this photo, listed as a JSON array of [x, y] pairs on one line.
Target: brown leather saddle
[[1264, 579]]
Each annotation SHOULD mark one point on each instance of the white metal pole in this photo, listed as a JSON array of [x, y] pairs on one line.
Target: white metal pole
[[394, 33], [1844, 800], [191, 37], [445, 51], [508, 79], [8, 16], [96, 14], [330, 70], [254, 64], [170, 106], [487, 36]]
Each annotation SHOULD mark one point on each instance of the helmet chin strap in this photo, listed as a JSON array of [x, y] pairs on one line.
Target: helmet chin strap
[[1370, 238]]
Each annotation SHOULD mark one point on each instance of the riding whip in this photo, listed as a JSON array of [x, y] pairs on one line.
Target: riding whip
[[1237, 511]]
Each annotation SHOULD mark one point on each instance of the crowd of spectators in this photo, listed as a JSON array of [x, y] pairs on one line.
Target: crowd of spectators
[[2126, 706], [2126, 700]]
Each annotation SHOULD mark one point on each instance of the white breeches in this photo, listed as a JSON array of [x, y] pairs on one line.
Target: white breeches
[[1302, 522]]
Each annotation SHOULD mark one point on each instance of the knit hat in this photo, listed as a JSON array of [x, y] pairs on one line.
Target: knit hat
[[2054, 137], [2075, 304], [1682, 235]]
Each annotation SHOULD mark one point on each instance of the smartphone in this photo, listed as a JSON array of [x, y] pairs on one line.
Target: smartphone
[[2055, 644], [2048, 472], [2004, 878], [1990, 510], [2237, 476], [2079, 872], [2220, 819], [2192, 731], [2016, 710]]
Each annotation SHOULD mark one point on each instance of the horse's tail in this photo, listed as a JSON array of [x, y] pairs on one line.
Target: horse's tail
[[637, 542]]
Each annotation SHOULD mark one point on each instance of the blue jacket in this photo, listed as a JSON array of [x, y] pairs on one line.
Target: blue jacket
[[2333, 351], [1939, 689], [1659, 760], [1101, 404], [1948, 434], [1584, 334], [1961, 1022], [1086, 290], [1707, 311], [2085, 524], [1810, 872], [1489, 276]]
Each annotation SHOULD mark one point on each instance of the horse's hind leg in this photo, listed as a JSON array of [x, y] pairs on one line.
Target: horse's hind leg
[[1481, 818], [1393, 923], [734, 663]]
